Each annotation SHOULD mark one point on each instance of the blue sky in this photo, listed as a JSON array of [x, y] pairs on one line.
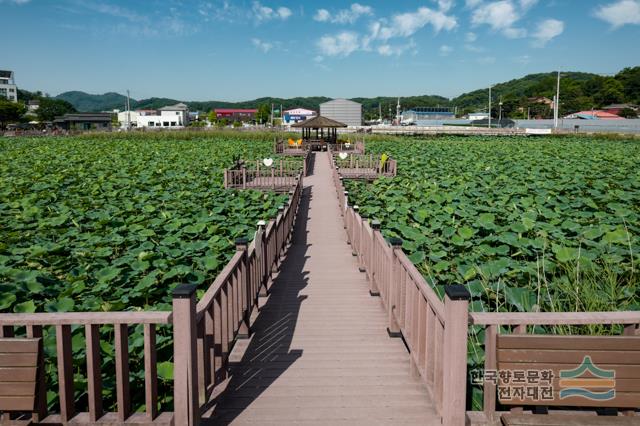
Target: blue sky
[[238, 50]]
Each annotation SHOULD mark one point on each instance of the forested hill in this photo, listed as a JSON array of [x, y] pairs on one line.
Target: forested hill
[[579, 91]]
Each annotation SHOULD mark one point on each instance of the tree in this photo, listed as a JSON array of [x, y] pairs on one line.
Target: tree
[[10, 112], [264, 114], [237, 124], [628, 113], [630, 80], [52, 108], [212, 117]]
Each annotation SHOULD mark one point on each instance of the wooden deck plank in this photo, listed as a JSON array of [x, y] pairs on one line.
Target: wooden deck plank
[[320, 353]]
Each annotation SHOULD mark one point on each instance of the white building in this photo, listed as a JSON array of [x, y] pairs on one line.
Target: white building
[[8, 88], [296, 115], [473, 116], [170, 117], [342, 110]]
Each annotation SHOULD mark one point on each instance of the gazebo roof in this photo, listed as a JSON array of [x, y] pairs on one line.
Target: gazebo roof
[[319, 122]]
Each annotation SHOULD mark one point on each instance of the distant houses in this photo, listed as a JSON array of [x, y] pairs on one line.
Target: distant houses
[[169, 117], [84, 121]]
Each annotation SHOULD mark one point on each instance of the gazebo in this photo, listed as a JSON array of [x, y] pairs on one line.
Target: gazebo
[[326, 131]]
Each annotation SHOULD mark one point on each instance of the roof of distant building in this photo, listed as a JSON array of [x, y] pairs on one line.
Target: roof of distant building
[[177, 107], [299, 111], [596, 114], [6, 74], [319, 122], [619, 106], [84, 116]]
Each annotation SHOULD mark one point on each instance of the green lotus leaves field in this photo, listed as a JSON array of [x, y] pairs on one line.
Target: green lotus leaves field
[[526, 224], [113, 223]]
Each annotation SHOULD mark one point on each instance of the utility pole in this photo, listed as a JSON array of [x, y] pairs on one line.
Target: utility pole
[[489, 106], [272, 114], [556, 110], [128, 111], [528, 113], [398, 113], [500, 114]]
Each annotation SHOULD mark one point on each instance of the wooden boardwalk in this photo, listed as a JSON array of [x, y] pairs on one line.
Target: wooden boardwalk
[[320, 353]]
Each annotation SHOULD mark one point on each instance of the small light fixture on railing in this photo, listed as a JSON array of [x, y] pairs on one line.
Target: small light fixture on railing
[[343, 155], [268, 162]]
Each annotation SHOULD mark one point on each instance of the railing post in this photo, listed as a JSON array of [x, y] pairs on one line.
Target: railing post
[[393, 329], [355, 229], [244, 332], [185, 371], [454, 384], [373, 285], [263, 256], [244, 178]]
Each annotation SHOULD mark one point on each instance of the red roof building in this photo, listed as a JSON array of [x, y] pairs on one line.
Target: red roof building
[[234, 114]]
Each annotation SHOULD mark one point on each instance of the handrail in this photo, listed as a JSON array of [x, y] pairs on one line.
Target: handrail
[[554, 318], [86, 318]]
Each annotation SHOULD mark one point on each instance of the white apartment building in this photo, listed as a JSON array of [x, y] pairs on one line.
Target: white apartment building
[[8, 88]]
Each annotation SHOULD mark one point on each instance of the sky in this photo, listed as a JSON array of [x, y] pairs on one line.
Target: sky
[[240, 50]]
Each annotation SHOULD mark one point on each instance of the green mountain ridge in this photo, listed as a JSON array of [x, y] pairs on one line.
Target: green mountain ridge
[[579, 91]]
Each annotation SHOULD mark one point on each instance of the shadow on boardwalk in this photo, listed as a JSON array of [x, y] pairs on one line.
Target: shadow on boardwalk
[[268, 354]]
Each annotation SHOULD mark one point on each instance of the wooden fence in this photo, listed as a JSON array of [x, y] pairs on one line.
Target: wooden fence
[[435, 331], [361, 166], [203, 335], [430, 327], [281, 176]]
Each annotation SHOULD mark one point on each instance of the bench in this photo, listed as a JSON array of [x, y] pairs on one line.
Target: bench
[[21, 376], [600, 373]]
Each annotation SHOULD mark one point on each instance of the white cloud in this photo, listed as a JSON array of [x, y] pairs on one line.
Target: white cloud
[[445, 50], [385, 50], [322, 15], [500, 16], [472, 3], [284, 12], [265, 13], [527, 4], [445, 5], [18, 2], [262, 45], [407, 24], [344, 16], [470, 37], [546, 31], [523, 60], [342, 44], [620, 13]]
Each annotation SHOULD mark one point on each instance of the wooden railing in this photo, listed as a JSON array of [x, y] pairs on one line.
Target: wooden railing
[[203, 335], [431, 328], [284, 148], [280, 176], [121, 322], [356, 147], [522, 322], [358, 166]]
